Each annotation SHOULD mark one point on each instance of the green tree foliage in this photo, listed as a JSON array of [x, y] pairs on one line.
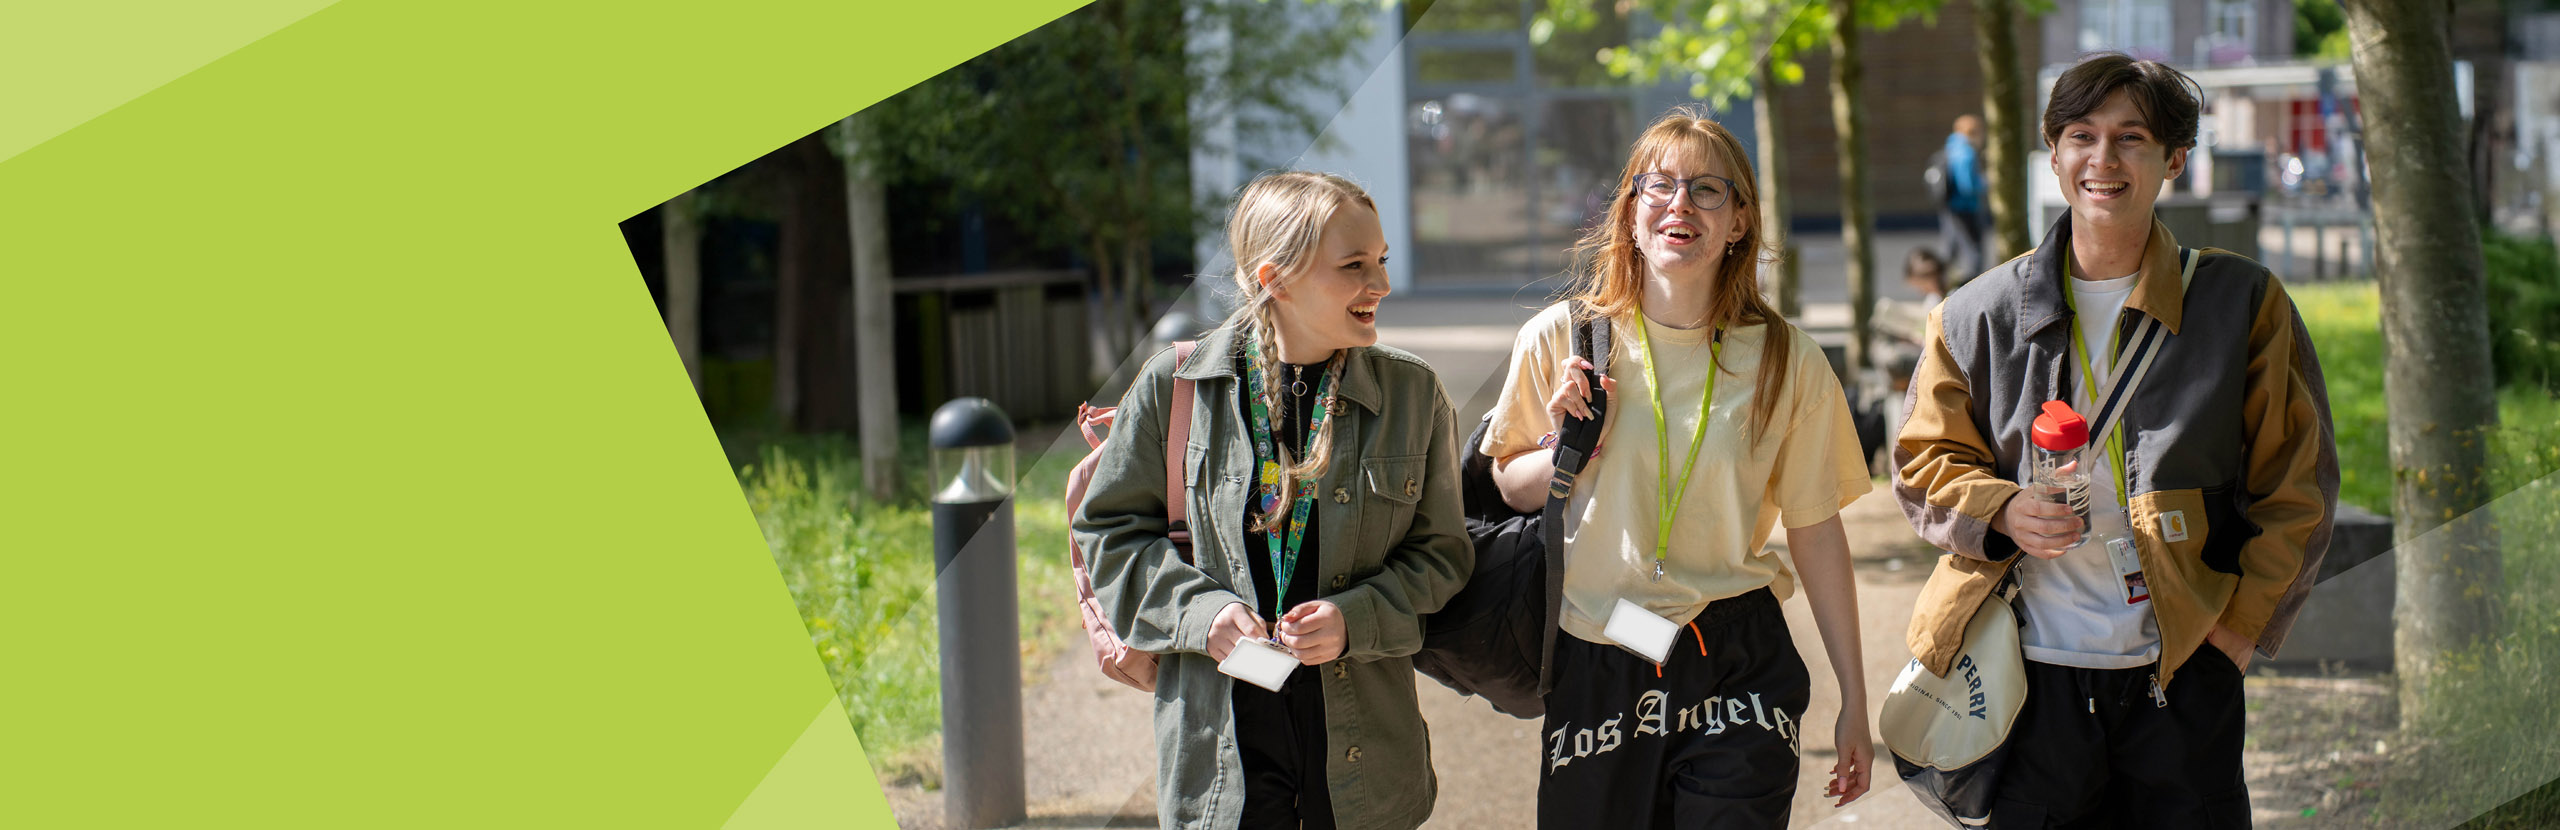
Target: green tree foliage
[[2319, 30], [1719, 45], [1081, 132], [2523, 282]]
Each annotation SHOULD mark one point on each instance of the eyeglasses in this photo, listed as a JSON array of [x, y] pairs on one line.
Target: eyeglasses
[[1705, 192]]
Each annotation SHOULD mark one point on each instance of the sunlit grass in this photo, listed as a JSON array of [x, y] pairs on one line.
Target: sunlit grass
[[861, 573], [2501, 745]]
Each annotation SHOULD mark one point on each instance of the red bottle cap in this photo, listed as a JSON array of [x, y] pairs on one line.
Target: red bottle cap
[[2059, 429]]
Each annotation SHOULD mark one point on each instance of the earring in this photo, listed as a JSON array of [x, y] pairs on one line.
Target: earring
[[1728, 249]]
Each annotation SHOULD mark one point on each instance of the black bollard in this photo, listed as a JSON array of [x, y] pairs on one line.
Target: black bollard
[[973, 565]]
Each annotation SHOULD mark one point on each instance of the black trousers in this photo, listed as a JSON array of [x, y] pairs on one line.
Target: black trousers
[[1282, 738], [2093, 748], [1709, 739]]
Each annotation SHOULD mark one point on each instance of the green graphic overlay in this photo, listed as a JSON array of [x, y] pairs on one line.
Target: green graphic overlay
[[353, 479]]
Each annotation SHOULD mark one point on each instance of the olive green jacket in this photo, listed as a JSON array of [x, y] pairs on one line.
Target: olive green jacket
[[1390, 545]]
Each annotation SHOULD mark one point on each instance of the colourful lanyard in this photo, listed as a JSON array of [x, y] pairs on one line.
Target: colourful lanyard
[[1662, 439], [2089, 376], [1284, 554]]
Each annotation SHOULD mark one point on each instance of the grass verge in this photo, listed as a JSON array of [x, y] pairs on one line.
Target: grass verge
[[2501, 754], [861, 573]]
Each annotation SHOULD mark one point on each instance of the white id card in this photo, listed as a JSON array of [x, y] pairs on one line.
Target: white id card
[[2120, 551], [1642, 631], [1260, 663]]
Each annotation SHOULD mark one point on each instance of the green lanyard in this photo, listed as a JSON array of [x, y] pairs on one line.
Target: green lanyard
[[1266, 455], [2089, 377], [1662, 439]]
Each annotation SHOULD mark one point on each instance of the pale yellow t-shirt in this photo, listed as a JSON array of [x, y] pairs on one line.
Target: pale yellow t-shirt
[[1804, 469]]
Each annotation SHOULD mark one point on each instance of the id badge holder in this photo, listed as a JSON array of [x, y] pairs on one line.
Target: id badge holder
[[2128, 564], [1641, 631], [1259, 662]]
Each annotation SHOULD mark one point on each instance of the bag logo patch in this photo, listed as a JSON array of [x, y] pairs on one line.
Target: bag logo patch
[[2173, 526]]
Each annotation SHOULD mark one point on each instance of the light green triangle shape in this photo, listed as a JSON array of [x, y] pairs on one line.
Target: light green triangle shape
[[822, 780], [66, 63]]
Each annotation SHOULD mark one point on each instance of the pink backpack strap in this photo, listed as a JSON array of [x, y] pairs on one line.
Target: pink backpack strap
[[1091, 420], [1177, 439]]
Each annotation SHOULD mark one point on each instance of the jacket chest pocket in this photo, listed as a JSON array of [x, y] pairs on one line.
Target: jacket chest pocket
[[1389, 489], [2173, 529]]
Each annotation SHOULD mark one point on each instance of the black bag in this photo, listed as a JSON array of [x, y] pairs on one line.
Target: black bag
[[1942, 183], [1495, 638]]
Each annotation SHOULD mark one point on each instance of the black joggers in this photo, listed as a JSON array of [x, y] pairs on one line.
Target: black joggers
[[1282, 738], [1709, 739], [2095, 748]]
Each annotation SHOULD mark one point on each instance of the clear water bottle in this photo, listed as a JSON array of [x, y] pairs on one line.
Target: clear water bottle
[[2057, 474]]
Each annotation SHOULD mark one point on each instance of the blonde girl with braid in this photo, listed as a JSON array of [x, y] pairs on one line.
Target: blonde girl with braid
[[1723, 422], [1321, 479]]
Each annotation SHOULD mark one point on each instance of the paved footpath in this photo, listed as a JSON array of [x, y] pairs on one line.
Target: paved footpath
[[1090, 756]]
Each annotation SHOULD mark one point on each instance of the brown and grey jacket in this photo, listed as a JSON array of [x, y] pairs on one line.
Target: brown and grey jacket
[[2228, 440]]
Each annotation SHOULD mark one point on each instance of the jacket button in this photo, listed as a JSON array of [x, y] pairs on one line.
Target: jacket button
[[1341, 669], [1354, 755], [1341, 496], [1340, 580], [1411, 489]]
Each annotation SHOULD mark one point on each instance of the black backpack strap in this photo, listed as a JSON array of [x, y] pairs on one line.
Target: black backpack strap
[[1590, 342]]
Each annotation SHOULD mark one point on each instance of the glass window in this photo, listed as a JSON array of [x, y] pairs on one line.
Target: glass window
[[1471, 217], [1459, 65], [1582, 147], [2228, 37], [1464, 15], [2136, 27]]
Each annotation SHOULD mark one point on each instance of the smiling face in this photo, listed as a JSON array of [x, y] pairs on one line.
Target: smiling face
[[1332, 303], [1679, 241], [2111, 166]]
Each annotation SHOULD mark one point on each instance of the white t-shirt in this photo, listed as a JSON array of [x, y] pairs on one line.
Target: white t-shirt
[[2075, 607]]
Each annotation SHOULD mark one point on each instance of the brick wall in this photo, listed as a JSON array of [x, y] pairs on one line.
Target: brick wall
[[1919, 77]]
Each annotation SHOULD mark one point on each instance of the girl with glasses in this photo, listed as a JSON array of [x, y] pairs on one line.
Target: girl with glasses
[[1322, 475], [1723, 420]]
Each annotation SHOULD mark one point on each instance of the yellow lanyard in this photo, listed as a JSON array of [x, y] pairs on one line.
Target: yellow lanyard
[[2089, 377], [1662, 438]]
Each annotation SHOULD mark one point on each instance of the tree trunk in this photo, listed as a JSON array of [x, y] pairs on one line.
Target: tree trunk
[[2436, 374], [682, 225], [874, 319], [2005, 129], [1848, 115], [1139, 282], [813, 372], [1106, 279], [1766, 115]]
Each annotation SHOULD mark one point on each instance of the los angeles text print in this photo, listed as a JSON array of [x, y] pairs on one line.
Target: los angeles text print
[[1655, 718]]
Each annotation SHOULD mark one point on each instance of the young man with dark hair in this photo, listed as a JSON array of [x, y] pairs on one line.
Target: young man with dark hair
[[2209, 498]]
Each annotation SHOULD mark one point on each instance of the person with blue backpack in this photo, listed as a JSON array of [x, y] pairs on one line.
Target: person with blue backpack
[[1322, 486], [1964, 208], [1677, 695]]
